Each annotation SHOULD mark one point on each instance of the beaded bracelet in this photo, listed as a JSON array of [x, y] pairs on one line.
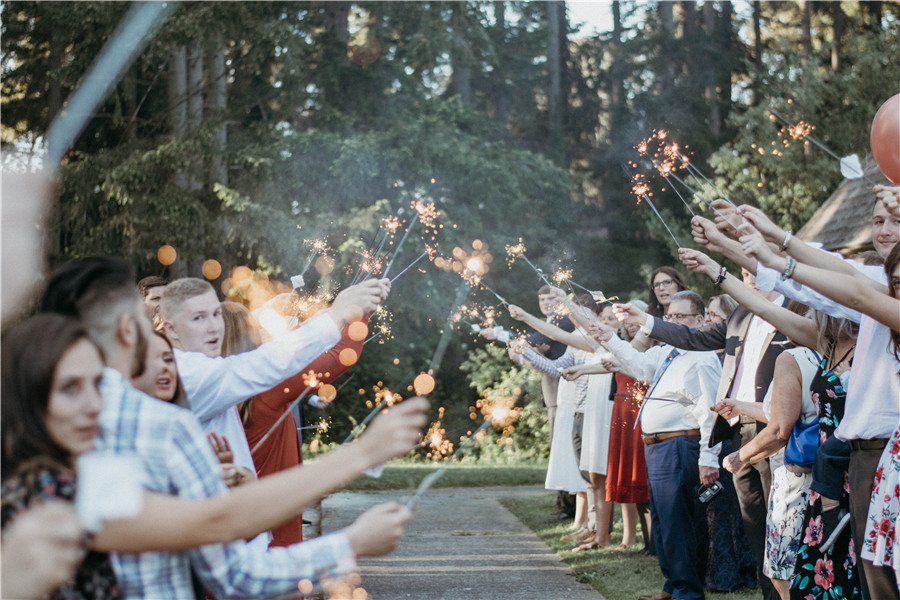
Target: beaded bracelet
[[789, 266]]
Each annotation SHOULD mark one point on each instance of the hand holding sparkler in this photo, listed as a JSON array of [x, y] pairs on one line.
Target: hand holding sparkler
[[769, 230], [705, 233], [753, 244], [727, 218], [357, 300], [601, 332], [629, 314], [889, 195], [395, 430], [698, 262], [378, 530]]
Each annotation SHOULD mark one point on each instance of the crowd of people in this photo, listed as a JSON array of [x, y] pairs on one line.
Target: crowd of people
[[157, 425], [760, 430]]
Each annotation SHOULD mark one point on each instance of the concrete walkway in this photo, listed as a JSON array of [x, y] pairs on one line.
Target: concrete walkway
[[462, 545]]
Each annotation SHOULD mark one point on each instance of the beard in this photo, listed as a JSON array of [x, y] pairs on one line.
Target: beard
[[139, 359]]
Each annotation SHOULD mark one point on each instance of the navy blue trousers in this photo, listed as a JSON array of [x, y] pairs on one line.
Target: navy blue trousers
[[673, 478]]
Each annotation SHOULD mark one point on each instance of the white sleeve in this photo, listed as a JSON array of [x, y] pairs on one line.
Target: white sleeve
[[216, 384], [768, 279], [637, 365], [706, 381]]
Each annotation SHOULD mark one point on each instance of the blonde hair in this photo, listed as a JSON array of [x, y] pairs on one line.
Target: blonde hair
[[177, 292], [241, 329]]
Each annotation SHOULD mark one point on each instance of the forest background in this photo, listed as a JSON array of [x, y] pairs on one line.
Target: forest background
[[246, 130]]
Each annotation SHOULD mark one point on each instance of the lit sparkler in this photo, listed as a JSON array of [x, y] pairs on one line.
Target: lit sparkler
[[316, 246], [642, 191], [518, 251]]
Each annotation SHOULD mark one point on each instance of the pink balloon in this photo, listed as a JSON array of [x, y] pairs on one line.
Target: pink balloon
[[885, 138]]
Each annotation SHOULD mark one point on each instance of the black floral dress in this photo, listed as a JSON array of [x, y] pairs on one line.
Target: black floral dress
[[94, 578], [832, 575]]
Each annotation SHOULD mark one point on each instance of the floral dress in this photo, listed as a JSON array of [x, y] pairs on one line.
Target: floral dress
[[94, 578], [833, 575], [882, 541]]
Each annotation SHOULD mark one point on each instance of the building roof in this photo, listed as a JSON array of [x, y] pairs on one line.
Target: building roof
[[844, 222]]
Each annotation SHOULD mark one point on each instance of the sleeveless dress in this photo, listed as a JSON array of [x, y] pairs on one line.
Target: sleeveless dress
[[597, 416], [831, 575], [790, 490], [626, 472], [562, 469], [882, 541]]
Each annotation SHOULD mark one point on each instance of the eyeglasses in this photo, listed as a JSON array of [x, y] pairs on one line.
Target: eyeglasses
[[679, 316], [663, 284]]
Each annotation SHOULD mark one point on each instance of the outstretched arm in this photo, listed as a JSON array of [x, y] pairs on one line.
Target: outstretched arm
[[799, 329], [574, 339], [850, 291], [171, 523]]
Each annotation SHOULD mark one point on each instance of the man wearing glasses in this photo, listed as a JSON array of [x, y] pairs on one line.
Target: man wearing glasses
[[751, 347], [676, 422]]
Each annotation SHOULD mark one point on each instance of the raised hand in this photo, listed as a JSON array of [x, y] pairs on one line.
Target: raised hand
[[221, 447], [698, 262], [570, 373], [630, 314], [600, 332], [753, 244], [378, 530], [611, 364], [361, 299], [889, 195], [727, 216], [727, 408], [517, 313], [395, 431], [705, 233], [769, 230]]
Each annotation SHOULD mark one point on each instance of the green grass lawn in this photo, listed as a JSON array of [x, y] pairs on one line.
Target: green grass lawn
[[406, 476], [616, 575]]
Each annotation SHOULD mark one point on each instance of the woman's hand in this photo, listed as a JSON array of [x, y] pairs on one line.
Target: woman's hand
[[706, 234], [753, 244], [517, 313], [600, 332], [698, 262], [769, 230], [629, 314], [727, 216], [570, 373], [727, 409]]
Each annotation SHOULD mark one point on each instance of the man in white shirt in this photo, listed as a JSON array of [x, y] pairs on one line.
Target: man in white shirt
[[192, 320], [676, 422]]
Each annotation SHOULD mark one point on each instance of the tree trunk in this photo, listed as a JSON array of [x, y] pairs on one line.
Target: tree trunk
[[618, 83], [194, 85], [54, 92], [873, 15], [177, 91], [757, 50], [838, 27], [501, 99], [216, 98], [710, 19], [667, 18], [557, 55], [129, 96], [337, 14], [725, 43], [806, 30]]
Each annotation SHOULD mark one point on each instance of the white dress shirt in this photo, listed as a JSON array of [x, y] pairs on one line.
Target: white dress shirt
[[872, 408], [214, 386], [692, 377]]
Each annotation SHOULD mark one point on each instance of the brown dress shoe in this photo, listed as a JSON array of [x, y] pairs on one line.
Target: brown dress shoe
[[659, 596]]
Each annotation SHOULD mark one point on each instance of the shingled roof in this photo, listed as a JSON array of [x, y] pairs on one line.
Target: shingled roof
[[844, 222]]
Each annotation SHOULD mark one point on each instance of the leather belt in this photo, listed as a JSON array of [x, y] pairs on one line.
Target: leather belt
[[873, 444], [653, 438], [745, 420]]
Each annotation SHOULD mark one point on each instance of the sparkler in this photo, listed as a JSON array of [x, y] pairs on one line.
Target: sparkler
[[317, 246], [411, 265], [424, 212], [518, 251], [684, 399], [641, 190]]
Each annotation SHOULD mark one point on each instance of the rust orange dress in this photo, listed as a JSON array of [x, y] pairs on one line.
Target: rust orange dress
[[626, 472]]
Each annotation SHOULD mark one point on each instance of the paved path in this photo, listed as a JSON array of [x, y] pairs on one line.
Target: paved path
[[462, 545]]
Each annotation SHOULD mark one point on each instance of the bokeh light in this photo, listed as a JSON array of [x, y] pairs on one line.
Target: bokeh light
[[327, 392], [423, 384], [357, 331], [166, 254], [212, 269]]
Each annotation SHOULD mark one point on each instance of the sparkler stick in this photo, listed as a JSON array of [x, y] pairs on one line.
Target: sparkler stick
[[539, 272], [694, 171], [433, 477], [685, 400], [130, 37], [421, 256], [400, 245], [809, 138], [650, 202], [699, 195], [372, 337]]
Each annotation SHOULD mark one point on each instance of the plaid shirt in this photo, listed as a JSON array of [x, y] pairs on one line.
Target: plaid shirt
[[178, 460], [571, 358]]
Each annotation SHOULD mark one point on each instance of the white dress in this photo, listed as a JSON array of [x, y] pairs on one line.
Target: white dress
[[597, 417], [562, 471]]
